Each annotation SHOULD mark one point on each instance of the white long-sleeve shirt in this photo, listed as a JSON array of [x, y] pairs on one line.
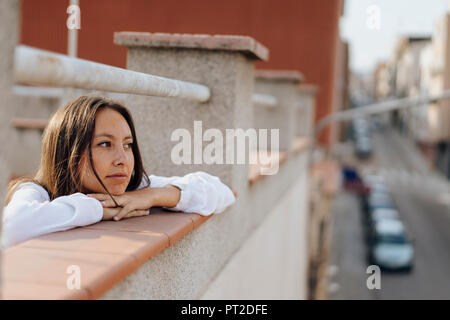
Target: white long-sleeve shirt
[[30, 213]]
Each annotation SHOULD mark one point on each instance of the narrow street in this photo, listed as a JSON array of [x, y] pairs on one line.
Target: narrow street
[[422, 199]]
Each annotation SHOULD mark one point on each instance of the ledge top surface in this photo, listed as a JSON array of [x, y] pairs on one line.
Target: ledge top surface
[[246, 44]]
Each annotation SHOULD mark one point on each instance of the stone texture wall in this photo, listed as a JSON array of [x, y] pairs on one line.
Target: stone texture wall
[[9, 23], [272, 262], [282, 116], [9, 13], [212, 261]]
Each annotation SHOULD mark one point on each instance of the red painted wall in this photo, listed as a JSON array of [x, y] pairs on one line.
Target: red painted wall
[[300, 34]]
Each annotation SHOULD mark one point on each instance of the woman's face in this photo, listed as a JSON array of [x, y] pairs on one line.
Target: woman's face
[[112, 154]]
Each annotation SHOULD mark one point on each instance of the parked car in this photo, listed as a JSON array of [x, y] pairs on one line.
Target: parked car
[[377, 215], [352, 181], [361, 138], [361, 126], [363, 147], [390, 248], [373, 184], [370, 179], [378, 187], [374, 200], [380, 214]]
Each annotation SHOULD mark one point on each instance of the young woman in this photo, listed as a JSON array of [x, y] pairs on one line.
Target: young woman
[[91, 170]]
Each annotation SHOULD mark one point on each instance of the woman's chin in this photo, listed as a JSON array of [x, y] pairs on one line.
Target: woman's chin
[[115, 190]]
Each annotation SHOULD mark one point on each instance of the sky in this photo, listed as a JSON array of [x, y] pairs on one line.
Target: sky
[[372, 26]]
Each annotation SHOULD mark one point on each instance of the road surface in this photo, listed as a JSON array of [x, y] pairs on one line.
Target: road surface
[[422, 198]]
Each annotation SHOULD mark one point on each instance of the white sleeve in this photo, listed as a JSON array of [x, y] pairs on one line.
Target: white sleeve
[[30, 213], [201, 192]]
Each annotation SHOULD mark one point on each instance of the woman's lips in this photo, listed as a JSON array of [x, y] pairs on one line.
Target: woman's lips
[[118, 177]]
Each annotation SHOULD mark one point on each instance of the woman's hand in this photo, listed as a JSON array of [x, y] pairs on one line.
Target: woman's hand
[[110, 213], [132, 203]]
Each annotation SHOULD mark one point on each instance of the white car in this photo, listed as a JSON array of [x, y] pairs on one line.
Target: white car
[[380, 214], [390, 247]]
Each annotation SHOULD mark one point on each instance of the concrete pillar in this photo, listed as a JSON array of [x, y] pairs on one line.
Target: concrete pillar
[[305, 112], [282, 84], [223, 63], [9, 30], [9, 23], [27, 154]]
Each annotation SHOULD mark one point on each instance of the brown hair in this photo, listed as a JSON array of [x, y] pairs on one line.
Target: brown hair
[[68, 133]]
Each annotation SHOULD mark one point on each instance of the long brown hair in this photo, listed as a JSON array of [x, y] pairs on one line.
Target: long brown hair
[[69, 133]]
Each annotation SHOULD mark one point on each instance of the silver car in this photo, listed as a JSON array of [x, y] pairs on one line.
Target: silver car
[[390, 247]]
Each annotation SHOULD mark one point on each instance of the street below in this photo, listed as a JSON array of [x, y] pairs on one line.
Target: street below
[[422, 199]]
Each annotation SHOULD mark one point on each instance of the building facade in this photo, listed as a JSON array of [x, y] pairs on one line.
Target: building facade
[[302, 34]]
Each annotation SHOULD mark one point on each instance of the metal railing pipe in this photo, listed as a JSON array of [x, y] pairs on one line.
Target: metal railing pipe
[[379, 107], [264, 100], [40, 67]]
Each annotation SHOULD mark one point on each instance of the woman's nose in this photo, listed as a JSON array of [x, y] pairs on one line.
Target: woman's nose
[[120, 156]]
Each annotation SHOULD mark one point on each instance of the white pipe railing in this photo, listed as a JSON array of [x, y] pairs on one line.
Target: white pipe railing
[[40, 67], [375, 108], [264, 100], [379, 107]]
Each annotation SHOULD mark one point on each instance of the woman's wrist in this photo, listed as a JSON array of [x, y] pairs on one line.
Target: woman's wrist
[[167, 196]]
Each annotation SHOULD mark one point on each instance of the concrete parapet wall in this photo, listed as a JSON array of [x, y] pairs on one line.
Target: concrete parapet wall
[[305, 112], [283, 86], [9, 31], [257, 248], [197, 265], [272, 262], [27, 143]]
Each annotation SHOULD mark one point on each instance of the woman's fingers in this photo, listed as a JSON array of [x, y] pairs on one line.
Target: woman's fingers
[[109, 213], [106, 200], [137, 213], [123, 212], [108, 203]]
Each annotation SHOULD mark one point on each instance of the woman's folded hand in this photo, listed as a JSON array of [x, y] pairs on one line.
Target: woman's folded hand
[[110, 213], [137, 203]]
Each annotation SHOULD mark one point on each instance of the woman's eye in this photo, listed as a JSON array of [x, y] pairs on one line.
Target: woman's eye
[[107, 143]]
